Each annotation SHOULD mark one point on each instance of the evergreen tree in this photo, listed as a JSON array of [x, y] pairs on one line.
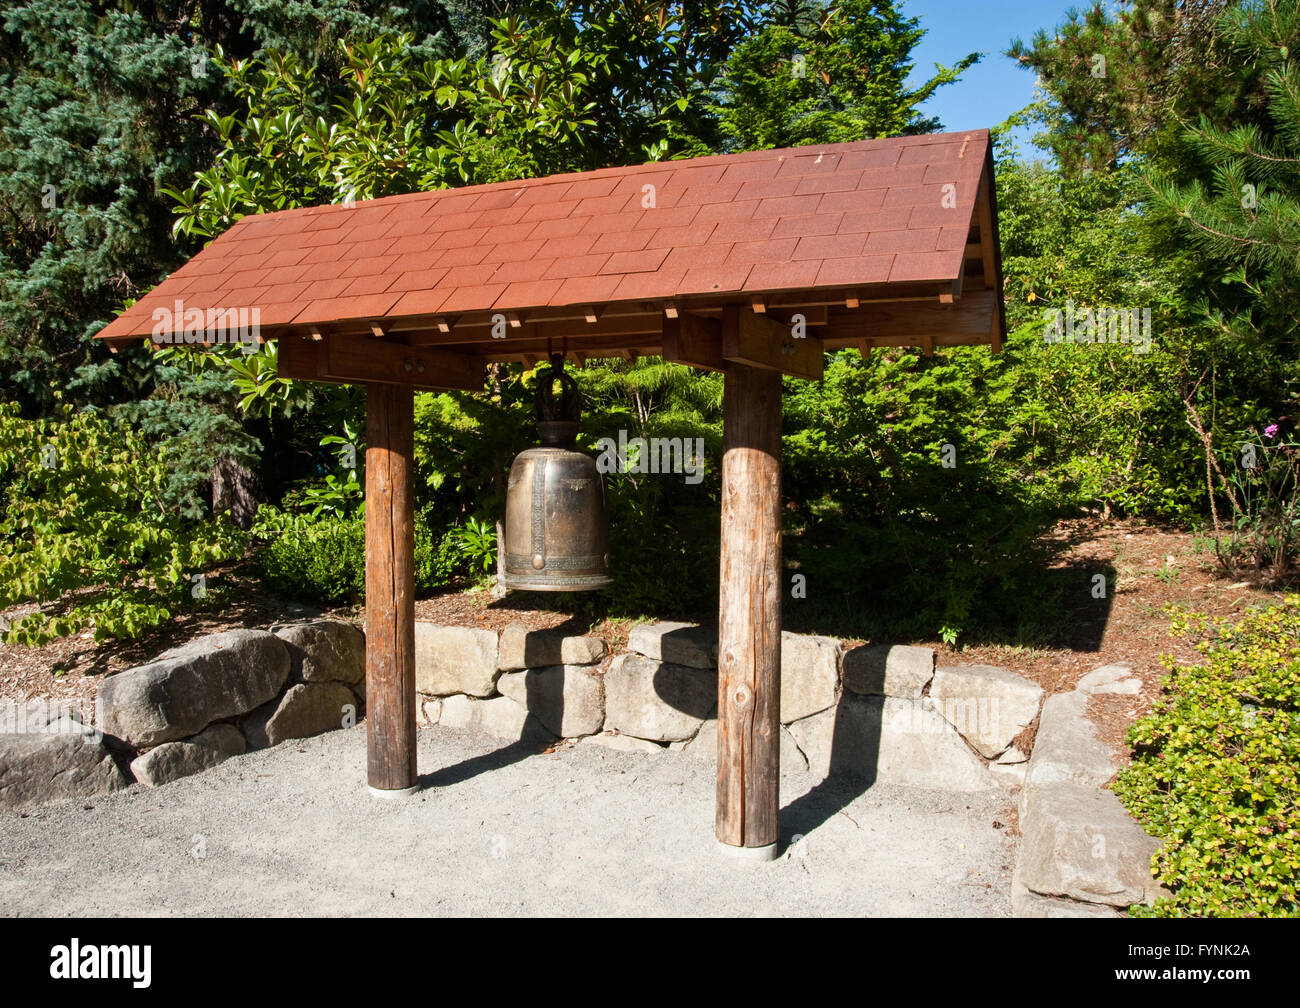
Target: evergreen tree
[[840, 77]]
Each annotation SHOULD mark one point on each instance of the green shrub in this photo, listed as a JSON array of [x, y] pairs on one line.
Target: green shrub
[[1214, 770], [324, 560], [86, 530], [438, 559]]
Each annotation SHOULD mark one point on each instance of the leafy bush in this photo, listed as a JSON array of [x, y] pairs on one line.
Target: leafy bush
[[1215, 770], [86, 524], [324, 559], [437, 559]]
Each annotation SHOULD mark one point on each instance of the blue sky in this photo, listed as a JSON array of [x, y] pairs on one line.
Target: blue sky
[[993, 89]]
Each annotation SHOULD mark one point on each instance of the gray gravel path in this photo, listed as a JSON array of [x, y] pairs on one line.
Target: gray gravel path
[[497, 831]]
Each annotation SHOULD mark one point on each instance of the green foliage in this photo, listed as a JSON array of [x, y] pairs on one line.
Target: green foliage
[[89, 533], [476, 541], [1216, 769], [837, 78], [1229, 183], [97, 117], [438, 559], [1116, 78], [324, 559], [321, 561], [906, 467], [391, 123], [1261, 479]]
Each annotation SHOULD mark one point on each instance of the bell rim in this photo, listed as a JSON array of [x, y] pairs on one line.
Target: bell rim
[[594, 583]]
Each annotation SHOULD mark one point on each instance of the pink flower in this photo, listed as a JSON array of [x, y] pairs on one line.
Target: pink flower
[[1270, 431]]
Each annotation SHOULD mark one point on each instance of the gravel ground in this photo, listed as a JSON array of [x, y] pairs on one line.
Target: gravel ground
[[496, 832]]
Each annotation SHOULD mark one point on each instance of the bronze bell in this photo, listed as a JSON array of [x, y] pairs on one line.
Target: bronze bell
[[557, 538]]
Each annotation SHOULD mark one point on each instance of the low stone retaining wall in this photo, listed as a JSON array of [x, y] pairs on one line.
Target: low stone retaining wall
[[873, 711], [1081, 854], [186, 711]]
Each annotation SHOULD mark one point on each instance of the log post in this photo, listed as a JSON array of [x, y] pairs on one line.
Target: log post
[[390, 590], [749, 614]]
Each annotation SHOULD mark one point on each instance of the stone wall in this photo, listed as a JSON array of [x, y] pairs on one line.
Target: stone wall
[[1081, 854], [874, 711], [190, 709]]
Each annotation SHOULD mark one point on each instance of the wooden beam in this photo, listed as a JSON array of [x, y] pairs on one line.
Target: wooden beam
[[984, 213], [764, 343], [695, 341], [749, 612], [814, 315], [907, 323], [392, 363], [344, 360], [390, 589]]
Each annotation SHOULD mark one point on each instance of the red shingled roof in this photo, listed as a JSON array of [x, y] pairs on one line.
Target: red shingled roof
[[842, 215]]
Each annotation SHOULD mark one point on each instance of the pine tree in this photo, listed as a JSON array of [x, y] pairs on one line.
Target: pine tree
[[1235, 189]]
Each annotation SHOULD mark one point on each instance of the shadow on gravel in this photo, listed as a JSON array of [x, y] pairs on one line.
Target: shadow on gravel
[[854, 756], [498, 759]]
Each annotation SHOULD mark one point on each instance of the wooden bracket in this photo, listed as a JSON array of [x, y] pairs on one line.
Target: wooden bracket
[[764, 343], [695, 341]]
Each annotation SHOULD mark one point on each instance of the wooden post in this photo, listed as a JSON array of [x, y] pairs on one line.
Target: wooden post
[[390, 589], [749, 613]]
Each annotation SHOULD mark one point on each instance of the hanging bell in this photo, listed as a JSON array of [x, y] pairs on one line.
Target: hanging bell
[[557, 537]]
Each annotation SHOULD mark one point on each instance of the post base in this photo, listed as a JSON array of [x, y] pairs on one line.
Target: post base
[[767, 853], [393, 792]]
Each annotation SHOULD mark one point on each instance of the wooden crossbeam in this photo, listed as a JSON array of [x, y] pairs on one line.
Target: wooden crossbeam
[[347, 360]]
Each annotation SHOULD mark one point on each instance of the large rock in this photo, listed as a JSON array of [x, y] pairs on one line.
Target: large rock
[[327, 650], [659, 701], [891, 740], [1066, 748], [810, 676], [678, 643], [499, 716], [54, 757], [305, 710], [988, 705], [1078, 842], [186, 689], [895, 670], [455, 660], [521, 648], [173, 760], [705, 747], [569, 700]]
